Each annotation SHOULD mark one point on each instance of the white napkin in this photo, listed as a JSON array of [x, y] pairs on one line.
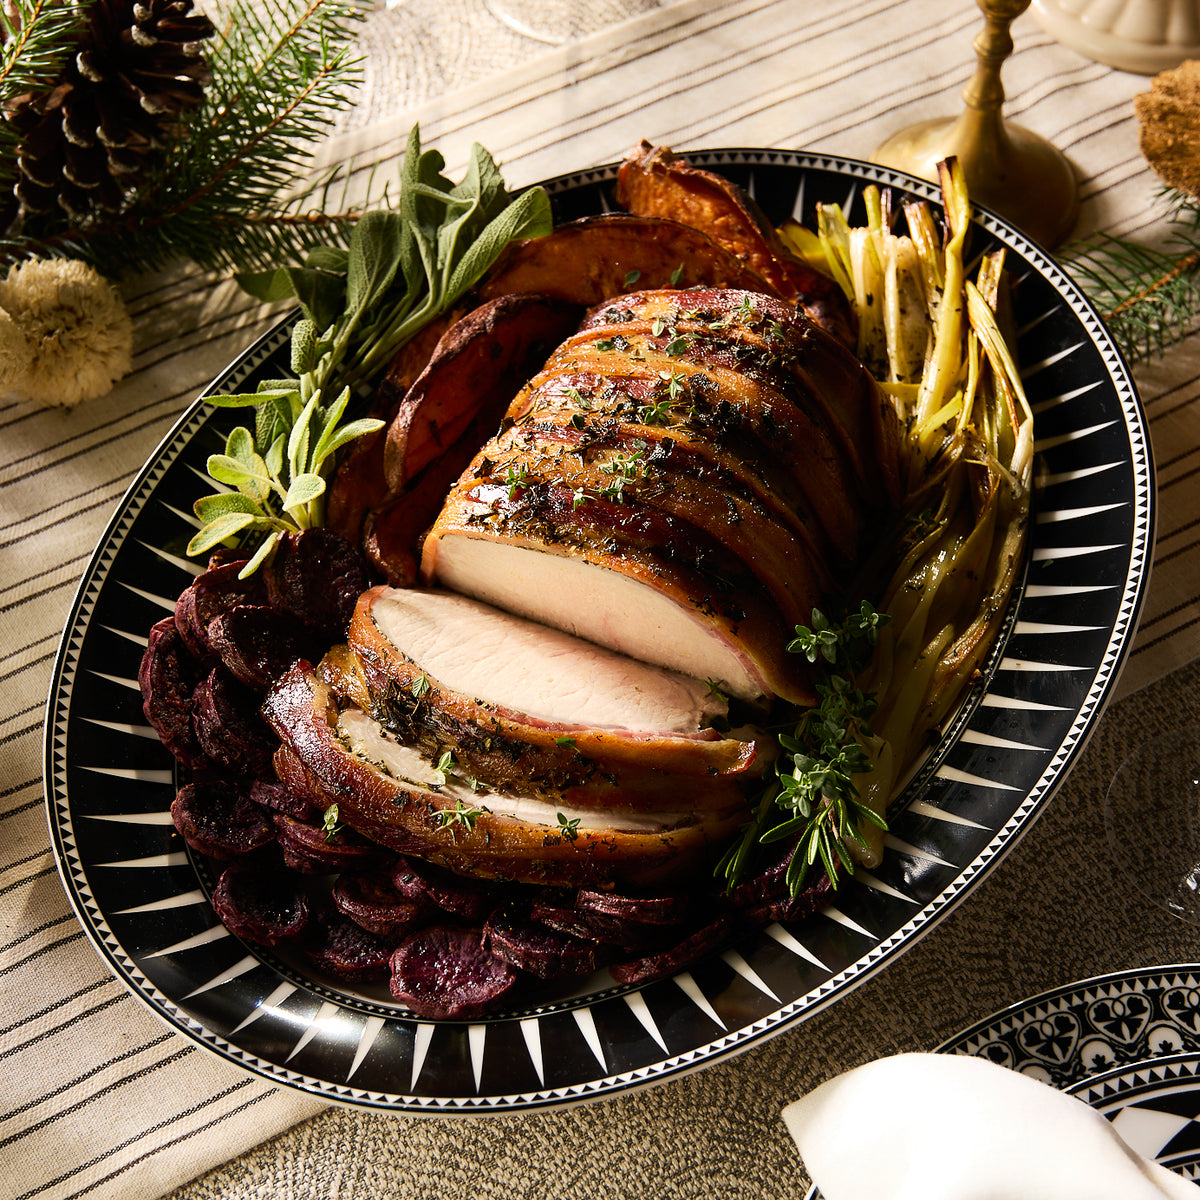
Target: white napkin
[[954, 1127]]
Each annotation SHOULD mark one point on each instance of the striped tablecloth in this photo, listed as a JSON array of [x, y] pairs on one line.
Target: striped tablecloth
[[101, 1101]]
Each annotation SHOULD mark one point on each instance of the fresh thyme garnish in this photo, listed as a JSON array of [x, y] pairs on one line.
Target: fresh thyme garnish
[[812, 797], [420, 687], [460, 815], [444, 768], [677, 276], [570, 829], [631, 277], [515, 477], [330, 823], [564, 741]]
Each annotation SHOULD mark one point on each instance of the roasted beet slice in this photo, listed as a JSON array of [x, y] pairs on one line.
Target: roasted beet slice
[[652, 910], [535, 947], [445, 971], [312, 849], [219, 819], [282, 799], [339, 947], [666, 962], [168, 675], [316, 577], [765, 896], [634, 936], [212, 593], [371, 900], [255, 643], [471, 899], [229, 728], [265, 907]]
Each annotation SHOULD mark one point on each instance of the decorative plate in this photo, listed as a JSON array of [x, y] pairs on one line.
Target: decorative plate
[[1128, 1044], [144, 903]]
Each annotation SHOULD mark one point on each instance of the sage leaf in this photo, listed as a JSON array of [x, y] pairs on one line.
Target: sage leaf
[[374, 259], [218, 531], [348, 433], [209, 508], [261, 555], [234, 401], [304, 489], [268, 286], [528, 216], [328, 258]]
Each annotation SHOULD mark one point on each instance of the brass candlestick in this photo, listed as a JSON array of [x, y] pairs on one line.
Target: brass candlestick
[[1012, 170]]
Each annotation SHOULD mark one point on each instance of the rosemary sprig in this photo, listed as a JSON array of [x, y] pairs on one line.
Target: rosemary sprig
[[812, 797], [1149, 297]]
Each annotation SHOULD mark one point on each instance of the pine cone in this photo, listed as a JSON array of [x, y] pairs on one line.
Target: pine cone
[[87, 143]]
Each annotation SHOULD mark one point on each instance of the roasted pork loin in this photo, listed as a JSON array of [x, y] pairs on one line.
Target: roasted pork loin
[[686, 479]]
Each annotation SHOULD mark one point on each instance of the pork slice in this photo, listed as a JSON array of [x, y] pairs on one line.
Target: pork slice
[[397, 640], [651, 592], [600, 456], [551, 676], [487, 839]]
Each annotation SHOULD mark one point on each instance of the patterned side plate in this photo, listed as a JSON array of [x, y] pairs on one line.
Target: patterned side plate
[[145, 905], [1128, 1044]]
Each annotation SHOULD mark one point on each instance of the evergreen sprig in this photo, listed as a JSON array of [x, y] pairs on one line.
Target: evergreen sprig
[[1149, 297], [226, 193]]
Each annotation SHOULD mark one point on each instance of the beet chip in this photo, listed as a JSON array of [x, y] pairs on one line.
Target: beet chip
[[229, 727], [313, 850], [316, 577], [282, 799], [633, 936], [444, 972], [652, 910], [654, 966], [212, 593], [535, 947], [339, 947], [256, 644], [219, 819], [471, 899], [168, 675], [264, 907], [372, 902]]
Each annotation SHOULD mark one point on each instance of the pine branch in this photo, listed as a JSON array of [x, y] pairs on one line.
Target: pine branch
[[35, 37], [1149, 297], [226, 193]]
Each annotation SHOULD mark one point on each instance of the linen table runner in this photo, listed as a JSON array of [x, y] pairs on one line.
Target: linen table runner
[[101, 1100]]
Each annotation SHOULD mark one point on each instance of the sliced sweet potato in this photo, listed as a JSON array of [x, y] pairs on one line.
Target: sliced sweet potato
[[479, 366], [654, 182], [596, 258]]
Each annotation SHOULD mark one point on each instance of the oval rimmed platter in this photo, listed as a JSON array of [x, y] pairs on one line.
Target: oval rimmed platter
[[1127, 1043], [144, 903]]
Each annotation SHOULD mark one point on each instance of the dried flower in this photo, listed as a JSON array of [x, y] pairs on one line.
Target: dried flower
[[78, 337]]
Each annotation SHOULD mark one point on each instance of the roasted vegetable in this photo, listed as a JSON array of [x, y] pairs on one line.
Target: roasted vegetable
[[654, 182]]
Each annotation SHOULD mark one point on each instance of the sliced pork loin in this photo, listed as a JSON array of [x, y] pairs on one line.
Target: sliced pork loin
[[689, 476], [518, 704], [339, 755]]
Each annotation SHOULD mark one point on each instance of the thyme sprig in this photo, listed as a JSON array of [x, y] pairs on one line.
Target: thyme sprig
[[812, 797]]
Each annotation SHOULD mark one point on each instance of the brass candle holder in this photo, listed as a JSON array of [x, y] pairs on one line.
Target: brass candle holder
[[1008, 168]]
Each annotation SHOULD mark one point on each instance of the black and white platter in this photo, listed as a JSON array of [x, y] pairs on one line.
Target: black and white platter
[[1128, 1044], [144, 902]]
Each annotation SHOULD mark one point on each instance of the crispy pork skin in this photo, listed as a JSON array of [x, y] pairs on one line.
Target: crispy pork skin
[[391, 794], [689, 476]]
